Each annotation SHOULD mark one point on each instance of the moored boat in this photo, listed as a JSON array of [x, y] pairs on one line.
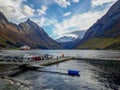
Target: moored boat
[[30, 57], [25, 47]]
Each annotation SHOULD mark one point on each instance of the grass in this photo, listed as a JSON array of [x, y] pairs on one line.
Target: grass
[[101, 43], [14, 48], [4, 44]]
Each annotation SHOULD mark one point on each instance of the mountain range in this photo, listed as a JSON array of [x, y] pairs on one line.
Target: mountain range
[[26, 33], [65, 39], [69, 42], [105, 33]]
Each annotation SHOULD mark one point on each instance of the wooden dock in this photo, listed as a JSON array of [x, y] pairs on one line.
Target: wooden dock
[[43, 63], [37, 64], [40, 64], [51, 61]]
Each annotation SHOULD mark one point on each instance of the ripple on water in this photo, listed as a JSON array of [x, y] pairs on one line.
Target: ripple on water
[[93, 75]]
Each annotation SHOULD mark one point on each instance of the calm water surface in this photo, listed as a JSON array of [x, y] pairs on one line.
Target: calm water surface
[[94, 75], [82, 53]]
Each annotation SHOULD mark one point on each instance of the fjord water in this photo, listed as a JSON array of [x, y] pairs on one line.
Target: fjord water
[[81, 53], [94, 75]]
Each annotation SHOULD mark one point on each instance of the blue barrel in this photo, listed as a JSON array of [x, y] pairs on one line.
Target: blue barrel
[[73, 72]]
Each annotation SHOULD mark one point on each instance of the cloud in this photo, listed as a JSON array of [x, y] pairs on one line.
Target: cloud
[[76, 1], [101, 2], [42, 11], [27, 10], [67, 14], [77, 22], [45, 2], [14, 10], [41, 21], [63, 3]]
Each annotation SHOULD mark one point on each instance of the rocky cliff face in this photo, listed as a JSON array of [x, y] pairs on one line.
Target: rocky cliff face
[[105, 33], [3, 19], [26, 33]]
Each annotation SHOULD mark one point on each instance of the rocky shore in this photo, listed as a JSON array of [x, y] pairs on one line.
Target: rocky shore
[[12, 84], [9, 83]]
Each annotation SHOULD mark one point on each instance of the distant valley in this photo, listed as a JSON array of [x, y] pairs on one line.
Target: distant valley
[[69, 42]]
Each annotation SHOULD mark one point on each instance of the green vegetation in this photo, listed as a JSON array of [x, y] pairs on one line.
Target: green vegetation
[[101, 43], [14, 48], [2, 42], [6, 43]]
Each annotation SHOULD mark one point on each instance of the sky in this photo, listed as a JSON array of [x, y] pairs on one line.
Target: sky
[[57, 17]]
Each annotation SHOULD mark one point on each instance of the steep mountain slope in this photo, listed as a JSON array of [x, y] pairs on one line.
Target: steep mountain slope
[[37, 35], [9, 33], [105, 33], [26, 33]]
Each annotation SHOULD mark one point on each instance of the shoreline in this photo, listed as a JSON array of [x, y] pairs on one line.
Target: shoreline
[[21, 84], [96, 59], [12, 82]]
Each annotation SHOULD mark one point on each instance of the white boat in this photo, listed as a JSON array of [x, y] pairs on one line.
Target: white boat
[[25, 47], [30, 57]]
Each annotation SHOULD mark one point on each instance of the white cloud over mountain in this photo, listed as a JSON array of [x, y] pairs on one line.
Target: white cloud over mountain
[[67, 19], [80, 22], [101, 2], [15, 11], [28, 10]]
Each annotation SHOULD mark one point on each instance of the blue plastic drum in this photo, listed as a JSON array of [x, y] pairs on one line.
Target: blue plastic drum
[[73, 72]]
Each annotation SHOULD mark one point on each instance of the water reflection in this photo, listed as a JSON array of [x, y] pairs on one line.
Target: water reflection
[[93, 76], [109, 73], [81, 53]]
